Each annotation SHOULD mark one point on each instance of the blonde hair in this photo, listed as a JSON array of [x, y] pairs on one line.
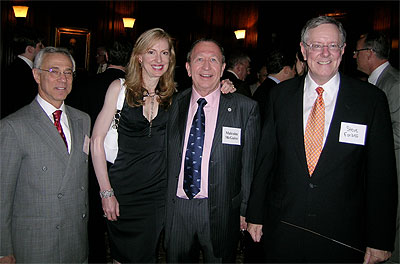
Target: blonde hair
[[134, 78]]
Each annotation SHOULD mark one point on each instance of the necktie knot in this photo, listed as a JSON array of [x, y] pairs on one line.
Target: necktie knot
[[202, 102], [57, 115], [319, 90]]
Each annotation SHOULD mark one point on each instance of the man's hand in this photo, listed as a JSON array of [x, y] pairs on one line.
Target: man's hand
[[255, 231], [227, 86], [375, 255], [7, 259]]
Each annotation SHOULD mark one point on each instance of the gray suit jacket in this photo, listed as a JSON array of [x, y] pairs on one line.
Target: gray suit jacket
[[43, 189], [230, 169], [389, 82]]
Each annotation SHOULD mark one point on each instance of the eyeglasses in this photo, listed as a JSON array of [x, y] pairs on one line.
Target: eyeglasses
[[357, 51], [333, 47], [57, 74]]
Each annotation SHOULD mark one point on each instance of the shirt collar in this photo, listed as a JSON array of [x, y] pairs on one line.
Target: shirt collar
[[373, 78], [47, 107], [233, 73], [330, 88], [28, 61], [211, 98], [274, 79]]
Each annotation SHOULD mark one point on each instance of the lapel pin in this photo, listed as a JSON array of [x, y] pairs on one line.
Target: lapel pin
[[229, 109]]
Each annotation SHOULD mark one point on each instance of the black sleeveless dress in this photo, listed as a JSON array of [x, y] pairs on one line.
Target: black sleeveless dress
[[138, 177]]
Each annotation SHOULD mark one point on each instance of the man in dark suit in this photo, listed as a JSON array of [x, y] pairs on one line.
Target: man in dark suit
[[208, 217], [44, 165], [238, 67], [332, 195], [18, 85], [372, 55], [281, 67]]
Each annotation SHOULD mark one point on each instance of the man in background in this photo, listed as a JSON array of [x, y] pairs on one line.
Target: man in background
[[372, 56], [238, 67], [101, 59], [281, 67], [18, 85]]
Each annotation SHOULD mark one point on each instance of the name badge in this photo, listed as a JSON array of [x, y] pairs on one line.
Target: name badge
[[352, 133], [86, 144], [231, 135]]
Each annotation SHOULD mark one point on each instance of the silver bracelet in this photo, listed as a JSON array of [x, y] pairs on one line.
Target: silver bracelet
[[107, 193]]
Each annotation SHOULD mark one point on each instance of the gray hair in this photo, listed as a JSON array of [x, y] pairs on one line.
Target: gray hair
[[188, 57], [236, 58], [317, 21], [379, 43], [48, 50]]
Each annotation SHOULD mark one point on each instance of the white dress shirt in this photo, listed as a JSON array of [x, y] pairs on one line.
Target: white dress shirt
[[373, 78]]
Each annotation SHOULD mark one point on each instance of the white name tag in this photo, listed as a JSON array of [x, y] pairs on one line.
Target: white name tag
[[231, 135], [352, 133]]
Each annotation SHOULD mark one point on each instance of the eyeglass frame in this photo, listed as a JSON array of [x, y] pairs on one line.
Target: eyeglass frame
[[323, 46], [58, 72], [357, 51]]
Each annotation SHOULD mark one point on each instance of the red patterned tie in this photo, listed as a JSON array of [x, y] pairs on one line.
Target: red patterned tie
[[57, 117], [314, 135]]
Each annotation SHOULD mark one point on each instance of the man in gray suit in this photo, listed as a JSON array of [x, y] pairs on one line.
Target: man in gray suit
[[44, 166], [206, 204], [372, 56]]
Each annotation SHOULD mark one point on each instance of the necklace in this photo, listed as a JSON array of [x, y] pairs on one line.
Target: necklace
[[152, 95]]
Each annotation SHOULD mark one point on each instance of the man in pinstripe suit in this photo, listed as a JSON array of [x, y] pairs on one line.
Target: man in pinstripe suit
[[211, 219]]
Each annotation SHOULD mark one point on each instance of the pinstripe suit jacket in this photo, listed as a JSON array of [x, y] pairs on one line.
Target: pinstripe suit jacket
[[230, 168], [43, 189]]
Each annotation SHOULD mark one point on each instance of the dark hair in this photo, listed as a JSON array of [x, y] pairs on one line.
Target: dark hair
[[188, 57], [279, 58], [24, 37], [119, 52], [378, 42]]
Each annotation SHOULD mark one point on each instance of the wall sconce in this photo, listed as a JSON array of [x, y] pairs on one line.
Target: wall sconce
[[240, 34], [20, 11], [128, 22]]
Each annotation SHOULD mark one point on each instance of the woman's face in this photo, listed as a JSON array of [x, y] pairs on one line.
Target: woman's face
[[155, 60]]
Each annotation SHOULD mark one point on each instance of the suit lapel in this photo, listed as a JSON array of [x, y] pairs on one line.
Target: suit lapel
[[183, 106], [329, 157], [296, 124], [43, 126], [226, 108]]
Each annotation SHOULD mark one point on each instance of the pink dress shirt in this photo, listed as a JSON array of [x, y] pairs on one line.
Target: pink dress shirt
[[211, 114]]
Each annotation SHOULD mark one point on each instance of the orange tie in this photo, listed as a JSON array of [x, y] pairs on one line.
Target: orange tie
[[314, 135], [57, 117]]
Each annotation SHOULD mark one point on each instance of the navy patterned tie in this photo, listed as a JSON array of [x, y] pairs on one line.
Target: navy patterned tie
[[194, 152]]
